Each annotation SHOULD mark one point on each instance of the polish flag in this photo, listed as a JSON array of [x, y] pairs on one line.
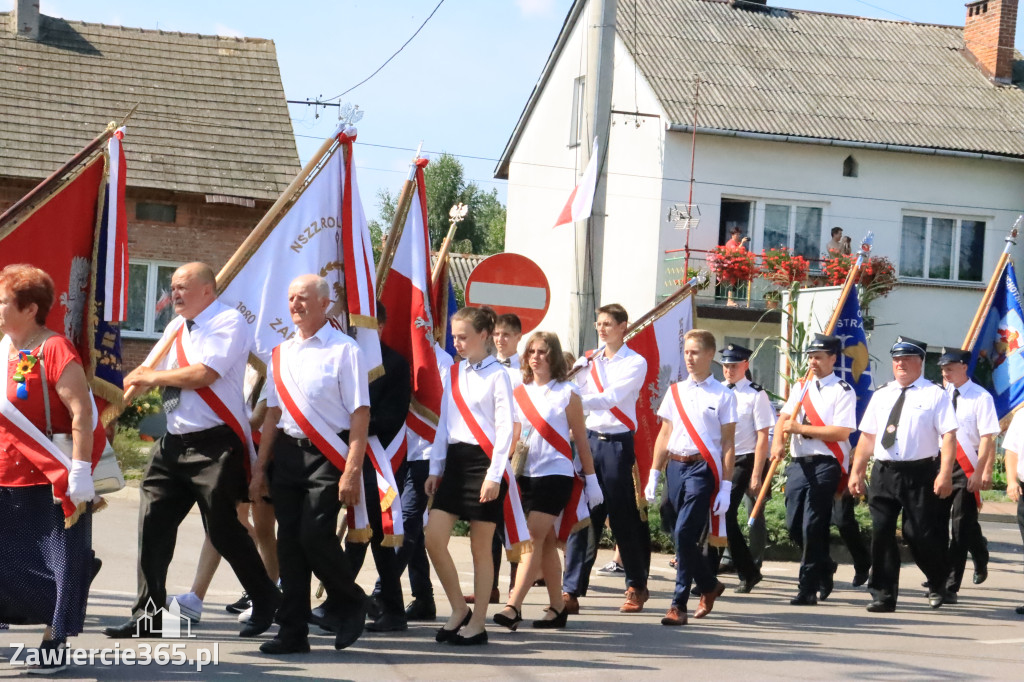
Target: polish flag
[[581, 201], [410, 327], [661, 344]]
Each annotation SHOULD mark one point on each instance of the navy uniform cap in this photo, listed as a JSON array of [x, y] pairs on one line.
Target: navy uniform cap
[[733, 353], [825, 343], [907, 346], [951, 355]]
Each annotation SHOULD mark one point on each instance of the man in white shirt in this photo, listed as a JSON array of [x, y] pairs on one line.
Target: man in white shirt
[[204, 456], [1013, 444], [755, 417], [611, 379], [901, 428], [326, 371], [976, 450], [817, 419]]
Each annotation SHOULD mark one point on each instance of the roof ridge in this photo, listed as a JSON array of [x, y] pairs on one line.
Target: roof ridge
[[155, 31], [844, 16]]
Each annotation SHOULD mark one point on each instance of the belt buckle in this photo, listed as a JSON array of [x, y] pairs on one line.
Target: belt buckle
[[603, 436]]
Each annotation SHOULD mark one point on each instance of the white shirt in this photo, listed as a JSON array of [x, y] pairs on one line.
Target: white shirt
[[927, 415], [330, 370], [715, 407], [1013, 441], [551, 401], [487, 391], [754, 412], [837, 407], [514, 369], [221, 340], [623, 376], [975, 412], [419, 448]]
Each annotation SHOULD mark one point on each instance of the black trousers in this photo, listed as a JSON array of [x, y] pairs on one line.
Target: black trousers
[[844, 519], [413, 552], [742, 559], [907, 487], [305, 492], [811, 484], [613, 461], [206, 468], [966, 531], [385, 558]]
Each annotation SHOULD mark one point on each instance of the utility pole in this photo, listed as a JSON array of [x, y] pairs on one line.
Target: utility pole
[[589, 252]]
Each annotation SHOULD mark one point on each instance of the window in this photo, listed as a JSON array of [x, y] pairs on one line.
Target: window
[[850, 167], [161, 213], [933, 247], [798, 228], [149, 308], [576, 117], [734, 214]]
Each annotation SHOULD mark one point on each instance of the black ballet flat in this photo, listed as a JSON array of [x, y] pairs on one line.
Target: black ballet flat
[[510, 623], [445, 635], [478, 638], [559, 621]]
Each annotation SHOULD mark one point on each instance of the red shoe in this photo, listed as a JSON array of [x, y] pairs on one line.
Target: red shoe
[[707, 601]]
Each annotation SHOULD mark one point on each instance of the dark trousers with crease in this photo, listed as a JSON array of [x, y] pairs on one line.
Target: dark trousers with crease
[[206, 468], [844, 519], [965, 531], [304, 488], [690, 487], [413, 552], [613, 461], [811, 484], [907, 487], [384, 558], [740, 553]]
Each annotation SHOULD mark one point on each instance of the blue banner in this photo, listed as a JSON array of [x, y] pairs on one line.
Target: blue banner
[[453, 305], [854, 364], [106, 337], [997, 363]]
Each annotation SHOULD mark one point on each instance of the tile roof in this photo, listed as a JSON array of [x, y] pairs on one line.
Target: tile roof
[[461, 266], [212, 114], [828, 76]]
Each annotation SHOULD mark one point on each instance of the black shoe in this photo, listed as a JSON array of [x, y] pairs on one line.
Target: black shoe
[[351, 627], [828, 584], [804, 599], [97, 564], [879, 606], [747, 585], [936, 599], [726, 567], [559, 621], [445, 635], [950, 598], [324, 619], [478, 638], [504, 621], [388, 622], [51, 662], [980, 573], [262, 615], [279, 646], [242, 604], [421, 610], [859, 578], [142, 627], [1019, 610], [374, 607]]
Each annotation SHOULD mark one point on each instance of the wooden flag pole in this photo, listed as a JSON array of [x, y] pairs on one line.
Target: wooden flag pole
[[986, 299], [455, 216], [851, 281], [256, 237], [387, 255]]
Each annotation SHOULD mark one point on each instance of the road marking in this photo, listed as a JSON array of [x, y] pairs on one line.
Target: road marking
[[1019, 640]]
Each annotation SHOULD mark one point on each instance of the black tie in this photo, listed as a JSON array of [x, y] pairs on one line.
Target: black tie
[[889, 437], [170, 396], [730, 385], [507, 362], [956, 395]]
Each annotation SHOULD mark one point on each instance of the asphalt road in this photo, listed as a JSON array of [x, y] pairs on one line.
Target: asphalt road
[[748, 637]]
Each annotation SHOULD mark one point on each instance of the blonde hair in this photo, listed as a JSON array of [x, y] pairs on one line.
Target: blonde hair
[[705, 338]]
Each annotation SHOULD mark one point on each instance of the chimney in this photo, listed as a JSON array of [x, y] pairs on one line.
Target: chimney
[[26, 19], [988, 36]]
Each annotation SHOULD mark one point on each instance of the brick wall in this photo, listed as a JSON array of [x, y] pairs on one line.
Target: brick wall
[[988, 36]]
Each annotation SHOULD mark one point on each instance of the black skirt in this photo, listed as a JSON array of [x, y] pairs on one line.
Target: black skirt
[[45, 570], [545, 494], [459, 491]]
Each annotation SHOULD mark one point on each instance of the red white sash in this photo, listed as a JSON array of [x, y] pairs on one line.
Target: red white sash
[[330, 445], [839, 449], [390, 501], [700, 438], [235, 419], [517, 534], [576, 514], [595, 376], [40, 450], [967, 458]]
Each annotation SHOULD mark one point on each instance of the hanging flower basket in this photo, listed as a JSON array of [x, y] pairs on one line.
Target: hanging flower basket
[[732, 265], [783, 268], [877, 277]]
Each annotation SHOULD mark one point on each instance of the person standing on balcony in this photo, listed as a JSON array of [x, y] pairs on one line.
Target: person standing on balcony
[[838, 245]]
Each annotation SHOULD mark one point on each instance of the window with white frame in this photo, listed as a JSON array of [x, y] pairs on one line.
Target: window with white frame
[[796, 227], [149, 298], [941, 247]]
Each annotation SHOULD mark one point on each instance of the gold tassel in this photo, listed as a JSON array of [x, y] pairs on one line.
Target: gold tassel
[[359, 535], [389, 497], [516, 551], [716, 541], [364, 321], [392, 541], [73, 519], [375, 373], [99, 506], [638, 492]]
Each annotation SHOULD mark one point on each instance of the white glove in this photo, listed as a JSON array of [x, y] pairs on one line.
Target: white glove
[[651, 491], [593, 490], [582, 361], [723, 498], [80, 488]]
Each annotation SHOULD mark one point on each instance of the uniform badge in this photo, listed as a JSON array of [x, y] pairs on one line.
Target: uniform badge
[[891, 428]]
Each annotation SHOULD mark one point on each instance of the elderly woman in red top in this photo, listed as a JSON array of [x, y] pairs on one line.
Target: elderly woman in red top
[[45, 569]]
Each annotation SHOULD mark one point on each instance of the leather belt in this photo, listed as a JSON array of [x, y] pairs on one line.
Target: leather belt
[[197, 437], [307, 444], [685, 459]]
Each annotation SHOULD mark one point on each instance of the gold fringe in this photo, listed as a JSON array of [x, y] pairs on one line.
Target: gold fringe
[[392, 541], [375, 373], [360, 535], [73, 519], [364, 321], [389, 497], [99, 506], [638, 492], [515, 552], [418, 408], [715, 541]]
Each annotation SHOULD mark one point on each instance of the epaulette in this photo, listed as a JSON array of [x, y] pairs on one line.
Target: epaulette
[[939, 384], [756, 387], [846, 386]]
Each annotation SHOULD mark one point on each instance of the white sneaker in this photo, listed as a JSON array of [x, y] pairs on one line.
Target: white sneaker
[[611, 568], [191, 606], [244, 616]]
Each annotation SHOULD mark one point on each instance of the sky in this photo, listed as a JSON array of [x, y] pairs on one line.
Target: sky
[[459, 86]]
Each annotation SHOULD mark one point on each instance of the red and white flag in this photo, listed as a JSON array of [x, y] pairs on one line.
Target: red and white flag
[[661, 344], [581, 201], [410, 328], [115, 280]]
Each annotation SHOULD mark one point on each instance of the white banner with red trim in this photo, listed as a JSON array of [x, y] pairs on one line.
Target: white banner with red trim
[[390, 499]]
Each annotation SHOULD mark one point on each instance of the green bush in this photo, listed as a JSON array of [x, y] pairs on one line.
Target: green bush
[[132, 452], [140, 408]]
